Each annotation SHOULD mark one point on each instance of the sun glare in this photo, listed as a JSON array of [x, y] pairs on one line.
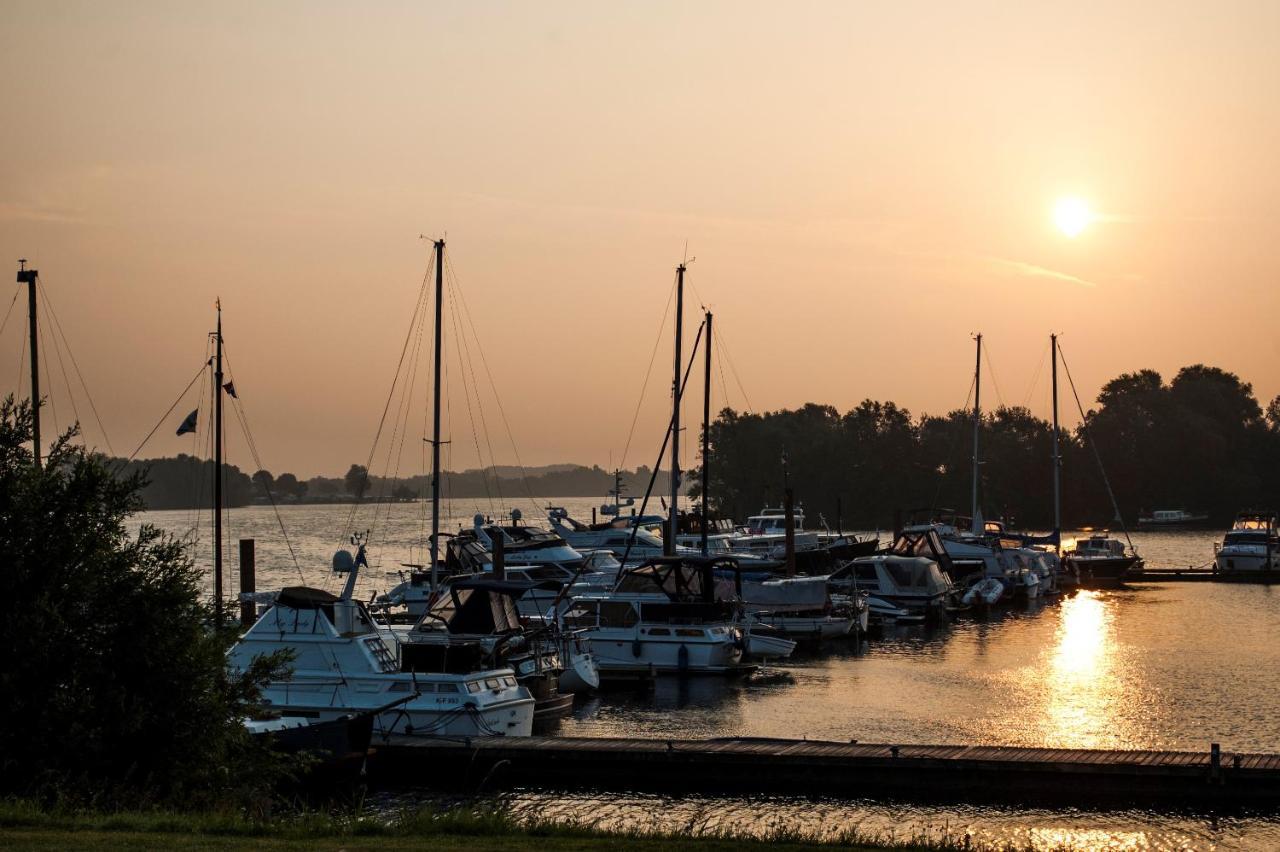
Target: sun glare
[[1072, 216]]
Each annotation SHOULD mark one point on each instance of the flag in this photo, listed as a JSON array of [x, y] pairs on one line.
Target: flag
[[189, 425], [230, 388]]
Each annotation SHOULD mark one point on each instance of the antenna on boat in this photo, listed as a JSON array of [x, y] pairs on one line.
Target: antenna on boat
[[28, 277]]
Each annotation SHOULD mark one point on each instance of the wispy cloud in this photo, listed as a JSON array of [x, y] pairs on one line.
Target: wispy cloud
[[11, 211], [1034, 271]]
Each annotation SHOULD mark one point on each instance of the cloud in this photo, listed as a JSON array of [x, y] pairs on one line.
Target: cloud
[[11, 211], [1034, 271]]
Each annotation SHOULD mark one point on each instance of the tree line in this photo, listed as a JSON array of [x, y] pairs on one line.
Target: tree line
[[1199, 442]]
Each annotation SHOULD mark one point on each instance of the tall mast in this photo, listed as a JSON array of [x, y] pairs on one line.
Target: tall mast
[[28, 277], [706, 435], [977, 429], [217, 470], [669, 541], [1057, 456], [435, 429]]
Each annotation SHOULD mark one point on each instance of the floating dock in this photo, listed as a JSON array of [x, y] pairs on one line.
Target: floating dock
[[1202, 575], [808, 767]]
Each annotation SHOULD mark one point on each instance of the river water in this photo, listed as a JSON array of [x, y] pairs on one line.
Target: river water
[[1175, 665]]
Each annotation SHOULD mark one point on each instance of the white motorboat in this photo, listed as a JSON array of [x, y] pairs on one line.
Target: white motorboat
[[985, 592], [799, 607], [1251, 545], [1101, 561], [630, 536], [913, 583], [1172, 519], [345, 662], [662, 617]]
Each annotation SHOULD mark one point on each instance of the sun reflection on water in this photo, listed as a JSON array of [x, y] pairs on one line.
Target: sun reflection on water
[[1083, 686]]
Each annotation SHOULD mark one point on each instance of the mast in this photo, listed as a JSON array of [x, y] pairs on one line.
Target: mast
[[217, 470], [1057, 456], [669, 541], [435, 427], [977, 429], [28, 277], [706, 435]]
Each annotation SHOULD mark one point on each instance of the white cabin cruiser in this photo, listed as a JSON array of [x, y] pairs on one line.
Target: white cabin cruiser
[[344, 662], [662, 617], [912, 583], [628, 536], [1251, 545]]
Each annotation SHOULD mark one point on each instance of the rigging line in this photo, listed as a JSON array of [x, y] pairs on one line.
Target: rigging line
[[955, 448], [666, 439], [991, 371], [165, 416], [1035, 378], [395, 446], [466, 396], [644, 386], [53, 406], [1084, 429], [463, 347], [12, 302], [238, 406], [723, 341], [57, 325], [484, 362], [417, 308], [67, 382]]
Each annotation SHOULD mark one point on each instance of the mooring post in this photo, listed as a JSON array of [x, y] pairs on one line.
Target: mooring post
[[499, 556], [248, 584], [1215, 761]]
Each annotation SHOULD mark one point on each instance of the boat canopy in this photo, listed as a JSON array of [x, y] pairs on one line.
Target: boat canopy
[[479, 606], [305, 597], [794, 593], [679, 578]]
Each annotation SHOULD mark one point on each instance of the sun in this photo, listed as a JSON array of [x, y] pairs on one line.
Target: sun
[[1072, 215]]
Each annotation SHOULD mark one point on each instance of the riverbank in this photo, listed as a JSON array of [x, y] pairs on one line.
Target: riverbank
[[25, 826]]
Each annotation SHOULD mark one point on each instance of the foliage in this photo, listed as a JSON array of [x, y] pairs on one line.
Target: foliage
[[1199, 442], [115, 683]]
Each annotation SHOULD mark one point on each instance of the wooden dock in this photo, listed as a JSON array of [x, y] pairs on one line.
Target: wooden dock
[[808, 767], [1202, 575]]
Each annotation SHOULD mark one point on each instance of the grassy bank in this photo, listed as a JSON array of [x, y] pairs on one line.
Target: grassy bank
[[25, 826]]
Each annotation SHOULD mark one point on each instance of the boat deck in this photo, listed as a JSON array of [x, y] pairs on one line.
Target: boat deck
[[803, 767]]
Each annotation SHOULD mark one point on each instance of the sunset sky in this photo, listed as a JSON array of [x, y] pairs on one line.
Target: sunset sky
[[863, 185]]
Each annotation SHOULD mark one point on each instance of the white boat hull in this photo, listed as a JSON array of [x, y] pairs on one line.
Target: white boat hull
[[626, 650]]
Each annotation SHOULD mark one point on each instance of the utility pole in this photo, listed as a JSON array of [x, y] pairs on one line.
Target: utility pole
[[706, 436], [669, 540], [28, 277]]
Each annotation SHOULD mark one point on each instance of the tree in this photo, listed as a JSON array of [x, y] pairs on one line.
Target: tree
[[357, 480], [264, 480], [115, 683], [288, 485]]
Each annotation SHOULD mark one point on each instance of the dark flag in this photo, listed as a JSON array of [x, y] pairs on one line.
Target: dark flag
[[189, 425], [230, 388]]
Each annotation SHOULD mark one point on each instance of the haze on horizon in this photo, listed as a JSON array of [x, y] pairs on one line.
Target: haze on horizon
[[863, 185]]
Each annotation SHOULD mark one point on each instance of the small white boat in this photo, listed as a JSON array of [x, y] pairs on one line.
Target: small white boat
[[987, 591], [1251, 545]]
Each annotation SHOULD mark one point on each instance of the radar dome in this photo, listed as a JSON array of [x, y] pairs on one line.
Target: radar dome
[[343, 562]]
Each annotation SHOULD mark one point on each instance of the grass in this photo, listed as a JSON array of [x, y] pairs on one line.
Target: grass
[[24, 825]]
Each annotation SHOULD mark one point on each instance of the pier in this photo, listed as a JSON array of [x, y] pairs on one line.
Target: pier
[[1001, 774], [1203, 575]]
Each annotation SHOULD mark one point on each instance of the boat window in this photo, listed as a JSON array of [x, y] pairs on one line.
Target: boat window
[[445, 687], [493, 682], [399, 686], [866, 573], [688, 631], [426, 687], [659, 631], [617, 614], [474, 686], [509, 680]]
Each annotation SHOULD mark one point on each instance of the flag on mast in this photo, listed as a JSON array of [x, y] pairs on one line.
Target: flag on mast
[[189, 425]]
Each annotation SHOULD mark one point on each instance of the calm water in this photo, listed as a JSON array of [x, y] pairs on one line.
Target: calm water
[[1176, 665]]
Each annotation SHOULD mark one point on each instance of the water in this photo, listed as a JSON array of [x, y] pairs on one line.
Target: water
[[1177, 666]]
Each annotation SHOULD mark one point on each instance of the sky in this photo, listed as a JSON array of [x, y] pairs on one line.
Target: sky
[[863, 186]]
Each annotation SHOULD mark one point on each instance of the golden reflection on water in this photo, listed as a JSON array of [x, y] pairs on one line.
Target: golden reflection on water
[[1083, 686]]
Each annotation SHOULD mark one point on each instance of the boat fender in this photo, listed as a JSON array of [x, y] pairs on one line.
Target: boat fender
[[636, 647], [683, 658]]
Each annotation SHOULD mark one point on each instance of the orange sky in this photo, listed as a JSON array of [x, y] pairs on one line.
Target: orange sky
[[863, 185]]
